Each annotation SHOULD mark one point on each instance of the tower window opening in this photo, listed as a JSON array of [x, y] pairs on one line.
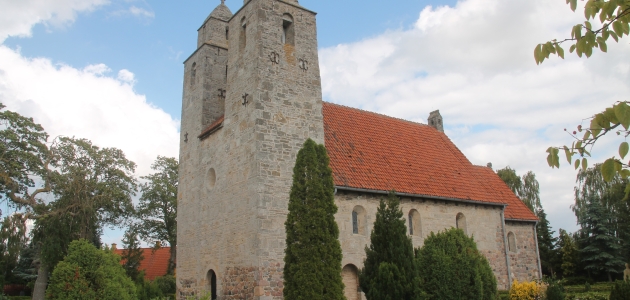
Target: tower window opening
[[288, 31], [193, 73], [414, 223], [358, 220], [243, 36], [227, 33]]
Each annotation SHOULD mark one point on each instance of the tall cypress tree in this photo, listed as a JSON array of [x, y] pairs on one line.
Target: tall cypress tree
[[312, 258], [389, 270]]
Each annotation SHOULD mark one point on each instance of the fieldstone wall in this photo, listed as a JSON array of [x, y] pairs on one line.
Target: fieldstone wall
[[524, 259], [483, 222], [234, 184]]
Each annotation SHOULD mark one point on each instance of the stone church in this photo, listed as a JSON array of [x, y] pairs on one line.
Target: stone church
[[252, 96]]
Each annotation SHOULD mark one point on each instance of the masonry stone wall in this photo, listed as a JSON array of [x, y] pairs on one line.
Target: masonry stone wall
[[524, 260], [483, 222], [234, 184]]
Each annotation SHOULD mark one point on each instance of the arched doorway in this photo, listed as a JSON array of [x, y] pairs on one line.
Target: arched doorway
[[212, 282], [350, 277]]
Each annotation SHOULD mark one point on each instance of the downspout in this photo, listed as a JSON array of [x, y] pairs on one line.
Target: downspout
[[537, 252], [505, 247]]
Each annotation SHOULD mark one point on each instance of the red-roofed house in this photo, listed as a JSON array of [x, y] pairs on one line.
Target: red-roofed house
[[155, 261], [252, 96]]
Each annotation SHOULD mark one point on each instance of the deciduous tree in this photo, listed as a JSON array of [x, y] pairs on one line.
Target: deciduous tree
[[157, 210], [90, 273], [614, 18]]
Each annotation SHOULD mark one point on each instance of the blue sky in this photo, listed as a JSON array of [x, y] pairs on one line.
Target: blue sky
[[155, 41], [111, 71]]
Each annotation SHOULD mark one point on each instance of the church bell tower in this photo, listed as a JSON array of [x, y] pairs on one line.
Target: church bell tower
[[252, 96]]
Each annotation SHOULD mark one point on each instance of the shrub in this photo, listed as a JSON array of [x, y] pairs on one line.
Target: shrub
[[90, 273], [528, 290], [621, 290], [452, 268], [555, 291]]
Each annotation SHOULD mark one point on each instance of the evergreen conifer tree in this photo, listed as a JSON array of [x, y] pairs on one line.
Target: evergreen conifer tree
[[601, 252], [546, 245], [132, 255], [312, 259], [569, 255], [389, 271]]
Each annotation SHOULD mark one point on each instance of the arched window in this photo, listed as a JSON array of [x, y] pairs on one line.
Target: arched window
[[288, 31], [212, 284], [350, 277], [461, 222], [193, 73], [358, 220], [511, 242], [243, 35], [414, 223]]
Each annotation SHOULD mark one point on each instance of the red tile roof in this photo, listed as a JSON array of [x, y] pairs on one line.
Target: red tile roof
[[376, 152], [154, 263]]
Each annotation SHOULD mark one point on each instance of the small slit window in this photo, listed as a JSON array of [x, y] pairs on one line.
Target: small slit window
[[288, 31], [511, 242], [414, 223], [359, 225], [193, 73], [461, 222], [243, 35]]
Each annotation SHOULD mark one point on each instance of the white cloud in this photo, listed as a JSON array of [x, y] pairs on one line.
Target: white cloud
[[135, 12], [141, 12], [474, 62], [86, 103], [17, 17]]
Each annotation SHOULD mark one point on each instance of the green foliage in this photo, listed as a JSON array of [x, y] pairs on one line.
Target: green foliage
[[160, 288], [23, 155], [526, 187], [132, 255], [312, 259], [549, 254], [389, 271], [620, 291], [614, 15], [12, 241], [90, 273], [601, 247], [555, 291], [157, 209], [569, 254], [452, 268]]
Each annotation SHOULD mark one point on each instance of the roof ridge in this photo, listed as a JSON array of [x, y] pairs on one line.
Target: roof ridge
[[377, 114]]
